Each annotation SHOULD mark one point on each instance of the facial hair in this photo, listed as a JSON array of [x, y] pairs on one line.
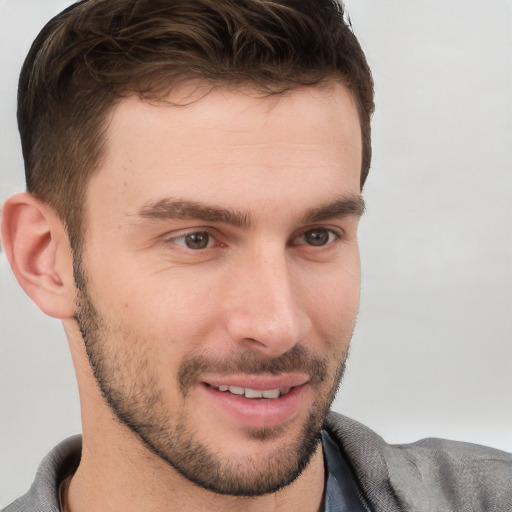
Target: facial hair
[[127, 379]]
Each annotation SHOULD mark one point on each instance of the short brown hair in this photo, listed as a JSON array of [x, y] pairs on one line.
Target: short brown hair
[[96, 52]]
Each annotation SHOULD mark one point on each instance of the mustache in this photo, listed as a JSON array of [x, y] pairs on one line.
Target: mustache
[[299, 359]]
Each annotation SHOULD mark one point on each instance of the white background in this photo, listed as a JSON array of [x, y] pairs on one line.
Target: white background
[[432, 353]]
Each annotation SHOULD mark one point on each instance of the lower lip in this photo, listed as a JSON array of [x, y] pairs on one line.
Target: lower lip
[[258, 412]]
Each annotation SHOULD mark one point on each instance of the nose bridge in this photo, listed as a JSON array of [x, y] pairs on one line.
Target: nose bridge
[[267, 314]]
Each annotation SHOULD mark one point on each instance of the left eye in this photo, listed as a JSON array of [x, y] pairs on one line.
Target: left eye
[[317, 237], [195, 241]]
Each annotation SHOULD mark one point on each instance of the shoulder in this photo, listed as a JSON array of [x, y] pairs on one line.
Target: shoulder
[[54, 468], [431, 475]]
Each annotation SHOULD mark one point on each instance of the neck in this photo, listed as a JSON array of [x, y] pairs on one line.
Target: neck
[[120, 478]]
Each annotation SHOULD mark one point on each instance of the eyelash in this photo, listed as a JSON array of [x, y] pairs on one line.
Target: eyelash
[[184, 236], [333, 237]]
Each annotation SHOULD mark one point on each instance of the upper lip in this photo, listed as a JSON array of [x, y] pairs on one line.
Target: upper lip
[[257, 382]]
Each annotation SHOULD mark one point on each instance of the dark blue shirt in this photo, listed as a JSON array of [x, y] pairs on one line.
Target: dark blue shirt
[[342, 492]]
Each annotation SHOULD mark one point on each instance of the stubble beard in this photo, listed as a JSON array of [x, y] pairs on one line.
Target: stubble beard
[[128, 382]]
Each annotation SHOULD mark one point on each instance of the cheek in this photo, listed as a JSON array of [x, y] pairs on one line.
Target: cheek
[[177, 318], [173, 308], [334, 300]]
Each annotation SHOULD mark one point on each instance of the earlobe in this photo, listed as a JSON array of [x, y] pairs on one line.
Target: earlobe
[[37, 248]]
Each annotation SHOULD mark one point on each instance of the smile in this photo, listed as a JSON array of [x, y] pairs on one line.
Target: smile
[[254, 393], [256, 401]]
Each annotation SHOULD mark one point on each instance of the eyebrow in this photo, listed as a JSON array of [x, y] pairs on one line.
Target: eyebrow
[[342, 207], [166, 209], [171, 209]]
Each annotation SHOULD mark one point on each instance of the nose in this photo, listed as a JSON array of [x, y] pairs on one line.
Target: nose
[[265, 310]]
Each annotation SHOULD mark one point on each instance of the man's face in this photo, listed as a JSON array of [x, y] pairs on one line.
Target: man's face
[[219, 278]]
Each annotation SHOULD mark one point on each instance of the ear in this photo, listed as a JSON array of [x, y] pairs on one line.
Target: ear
[[37, 247]]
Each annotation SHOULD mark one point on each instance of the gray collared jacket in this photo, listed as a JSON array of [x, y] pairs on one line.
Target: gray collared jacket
[[432, 475]]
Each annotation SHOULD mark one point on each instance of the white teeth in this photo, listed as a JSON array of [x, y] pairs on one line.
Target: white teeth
[[254, 393], [271, 393]]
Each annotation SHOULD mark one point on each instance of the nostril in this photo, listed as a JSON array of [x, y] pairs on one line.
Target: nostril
[[252, 342]]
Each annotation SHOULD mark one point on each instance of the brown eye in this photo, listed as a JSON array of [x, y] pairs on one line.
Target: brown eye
[[197, 240], [317, 237]]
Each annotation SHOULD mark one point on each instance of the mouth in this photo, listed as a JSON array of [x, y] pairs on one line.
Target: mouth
[[256, 401]]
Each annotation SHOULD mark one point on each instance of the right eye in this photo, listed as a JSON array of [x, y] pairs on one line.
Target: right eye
[[195, 241]]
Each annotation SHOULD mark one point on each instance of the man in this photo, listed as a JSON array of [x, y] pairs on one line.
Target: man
[[194, 173]]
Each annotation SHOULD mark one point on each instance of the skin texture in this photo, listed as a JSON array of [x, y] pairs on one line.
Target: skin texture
[[220, 247]]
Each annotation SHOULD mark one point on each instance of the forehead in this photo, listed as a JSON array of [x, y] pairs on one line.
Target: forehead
[[231, 143]]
